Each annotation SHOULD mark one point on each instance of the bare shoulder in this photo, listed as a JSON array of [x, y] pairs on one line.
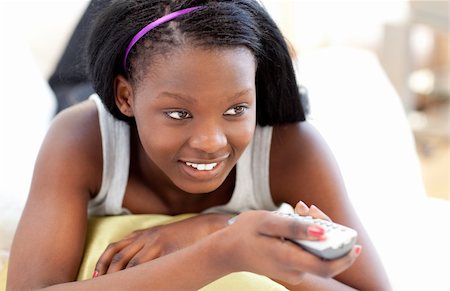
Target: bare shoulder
[[289, 137], [302, 167], [82, 118], [73, 143]]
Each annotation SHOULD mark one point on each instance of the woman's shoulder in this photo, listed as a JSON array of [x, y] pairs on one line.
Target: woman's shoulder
[[78, 125], [294, 140], [74, 138], [300, 161], [85, 111], [292, 145]]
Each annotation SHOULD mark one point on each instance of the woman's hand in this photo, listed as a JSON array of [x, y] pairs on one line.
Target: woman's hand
[[145, 245], [254, 243]]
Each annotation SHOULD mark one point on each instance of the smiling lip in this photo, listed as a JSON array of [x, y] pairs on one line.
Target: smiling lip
[[202, 170], [202, 166]]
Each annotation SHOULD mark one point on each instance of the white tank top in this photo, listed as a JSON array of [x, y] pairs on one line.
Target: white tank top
[[251, 191]]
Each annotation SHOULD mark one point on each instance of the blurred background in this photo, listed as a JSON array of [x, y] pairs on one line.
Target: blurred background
[[410, 38], [412, 42]]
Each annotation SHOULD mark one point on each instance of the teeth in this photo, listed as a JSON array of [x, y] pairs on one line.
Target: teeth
[[202, 167]]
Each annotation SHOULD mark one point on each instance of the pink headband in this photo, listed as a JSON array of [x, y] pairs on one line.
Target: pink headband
[[152, 25]]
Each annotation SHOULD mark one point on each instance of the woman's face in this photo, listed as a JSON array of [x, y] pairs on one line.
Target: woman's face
[[195, 113]]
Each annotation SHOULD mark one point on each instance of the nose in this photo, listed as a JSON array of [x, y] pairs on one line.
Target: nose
[[208, 137]]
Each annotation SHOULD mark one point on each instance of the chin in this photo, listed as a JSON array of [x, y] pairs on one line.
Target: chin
[[200, 188], [199, 182]]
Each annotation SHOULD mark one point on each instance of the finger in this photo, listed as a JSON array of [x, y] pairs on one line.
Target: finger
[[294, 261], [139, 232], [339, 265], [328, 269], [315, 212], [120, 260], [301, 208], [133, 234], [105, 259], [143, 256], [275, 225]]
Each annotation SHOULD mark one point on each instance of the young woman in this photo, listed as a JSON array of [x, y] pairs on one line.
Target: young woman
[[198, 111]]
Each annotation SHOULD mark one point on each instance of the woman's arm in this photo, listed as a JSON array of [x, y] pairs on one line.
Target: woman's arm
[[49, 241], [148, 244], [314, 177]]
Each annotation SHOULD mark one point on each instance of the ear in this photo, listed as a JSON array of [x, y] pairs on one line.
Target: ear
[[123, 92]]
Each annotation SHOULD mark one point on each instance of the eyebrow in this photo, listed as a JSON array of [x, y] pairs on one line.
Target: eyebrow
[[191, 100], [179, 97], [239, 94]]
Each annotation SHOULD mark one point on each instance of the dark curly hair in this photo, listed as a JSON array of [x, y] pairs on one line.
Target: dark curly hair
[[219, 24]]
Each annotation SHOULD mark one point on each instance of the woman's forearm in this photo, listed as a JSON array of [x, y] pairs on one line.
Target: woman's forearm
[[187, 269]]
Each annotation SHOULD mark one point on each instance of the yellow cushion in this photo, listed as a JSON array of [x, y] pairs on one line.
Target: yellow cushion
[[104, 230], [3, 277]]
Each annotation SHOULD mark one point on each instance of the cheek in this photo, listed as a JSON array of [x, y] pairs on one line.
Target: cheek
[[158, 141], [242, 132]]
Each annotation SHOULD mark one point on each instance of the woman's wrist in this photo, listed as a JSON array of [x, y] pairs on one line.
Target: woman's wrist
[[217, 221], [220, 248]]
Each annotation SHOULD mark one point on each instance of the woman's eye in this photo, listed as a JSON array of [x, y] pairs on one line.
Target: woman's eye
[[236, 111], [178, 114]]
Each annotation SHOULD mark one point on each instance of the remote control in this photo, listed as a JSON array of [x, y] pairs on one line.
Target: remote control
[[338, 242]]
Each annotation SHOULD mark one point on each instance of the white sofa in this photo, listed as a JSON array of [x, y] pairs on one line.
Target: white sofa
[[358, 113]]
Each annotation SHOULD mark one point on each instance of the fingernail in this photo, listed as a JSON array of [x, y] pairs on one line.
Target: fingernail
[[315, 230], [358, 250], [301, 207], [95, 274], [303, 204]]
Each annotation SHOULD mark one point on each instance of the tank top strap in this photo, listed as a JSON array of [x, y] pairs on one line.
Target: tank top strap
[[116, 162], [260, 164]]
